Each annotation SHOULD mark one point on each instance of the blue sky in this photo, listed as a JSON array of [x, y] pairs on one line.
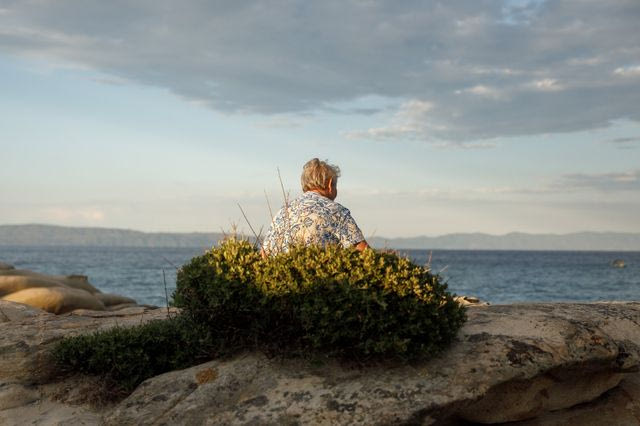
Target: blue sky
[[461, 116]]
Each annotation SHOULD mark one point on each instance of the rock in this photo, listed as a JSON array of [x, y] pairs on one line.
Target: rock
[[55, 293], [57, 300], [30, 391], [113, 299], [509, 363], [15, 395], [12, 283], [618, 263], [618, 407], [5, 266], [29, 333], [81, 282], [470, 300], [542, 364]]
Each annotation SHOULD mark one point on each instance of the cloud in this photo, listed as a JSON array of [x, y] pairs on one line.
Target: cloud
[[546, 85], [481, 90], [411, 122], [550, 61], [608, 182], [630, 71], [625, 143], [72, 215]]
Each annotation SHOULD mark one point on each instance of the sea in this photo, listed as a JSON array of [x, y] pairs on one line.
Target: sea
[[497, 276]]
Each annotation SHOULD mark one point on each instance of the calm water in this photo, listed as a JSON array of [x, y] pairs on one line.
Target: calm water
[[495, 276]]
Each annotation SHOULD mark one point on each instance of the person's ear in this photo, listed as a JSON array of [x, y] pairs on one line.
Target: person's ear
[[330, 185]]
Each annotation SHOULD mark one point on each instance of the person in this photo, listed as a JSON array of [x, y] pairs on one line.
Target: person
[[314, 217]]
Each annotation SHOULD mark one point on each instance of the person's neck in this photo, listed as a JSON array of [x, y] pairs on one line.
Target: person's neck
[[322, 192]]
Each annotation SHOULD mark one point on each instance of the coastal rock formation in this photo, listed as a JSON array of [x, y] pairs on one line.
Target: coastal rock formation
[[30, 391], [618, 263], [56, 293], [535, 363]]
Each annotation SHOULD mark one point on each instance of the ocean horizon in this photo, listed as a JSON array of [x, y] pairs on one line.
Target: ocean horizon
[[495, 276]]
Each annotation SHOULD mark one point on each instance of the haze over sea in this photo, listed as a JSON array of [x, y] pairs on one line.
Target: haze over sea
[[497, 276]]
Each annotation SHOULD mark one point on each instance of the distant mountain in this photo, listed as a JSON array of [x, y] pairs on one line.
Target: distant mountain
[[50, 235], [518, 241]]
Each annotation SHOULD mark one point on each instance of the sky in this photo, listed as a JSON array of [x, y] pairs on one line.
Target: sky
[[491, 116]]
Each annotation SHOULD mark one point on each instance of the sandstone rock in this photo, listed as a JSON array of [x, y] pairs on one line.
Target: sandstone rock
[[510, 362], [13, 283], [15, 395], [113, 299], [5, 266], [48, 412], [618, 407], [81, 282], [55, 293], [27, 334], [57, 300], [470, 300]]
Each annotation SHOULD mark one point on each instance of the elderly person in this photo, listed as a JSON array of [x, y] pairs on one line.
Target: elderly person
[[314, 217]]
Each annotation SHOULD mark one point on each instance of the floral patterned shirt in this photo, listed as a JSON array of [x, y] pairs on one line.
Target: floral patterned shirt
[[311, 219]]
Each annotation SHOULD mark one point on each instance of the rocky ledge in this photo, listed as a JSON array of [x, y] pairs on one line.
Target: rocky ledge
[[534, 364]]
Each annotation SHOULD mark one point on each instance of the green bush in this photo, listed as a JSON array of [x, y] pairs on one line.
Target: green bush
[[337, 300], [126, 356]]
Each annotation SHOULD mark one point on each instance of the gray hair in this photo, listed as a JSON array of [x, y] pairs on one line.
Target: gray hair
[[316, 174]]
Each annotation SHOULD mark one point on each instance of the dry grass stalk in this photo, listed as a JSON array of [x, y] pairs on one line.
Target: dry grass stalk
[[269, 206], [166, 294], [255, 234]]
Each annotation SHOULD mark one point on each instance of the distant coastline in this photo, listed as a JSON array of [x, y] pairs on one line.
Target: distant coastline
[[53, 235]]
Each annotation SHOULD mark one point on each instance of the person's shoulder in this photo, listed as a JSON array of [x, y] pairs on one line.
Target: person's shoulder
[[339, 208]]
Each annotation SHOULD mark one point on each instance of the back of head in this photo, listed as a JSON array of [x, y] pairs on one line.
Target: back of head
[[316, 174]]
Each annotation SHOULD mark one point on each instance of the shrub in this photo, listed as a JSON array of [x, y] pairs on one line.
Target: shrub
[[332, 299], [338, 301], [126, 356]]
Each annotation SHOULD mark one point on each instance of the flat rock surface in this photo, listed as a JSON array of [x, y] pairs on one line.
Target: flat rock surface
[[27, 334], [509, 363], [527, 362]]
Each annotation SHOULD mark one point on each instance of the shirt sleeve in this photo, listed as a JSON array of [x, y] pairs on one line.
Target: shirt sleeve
[[349, 234]]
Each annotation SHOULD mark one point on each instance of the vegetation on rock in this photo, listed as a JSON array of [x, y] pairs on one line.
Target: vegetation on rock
[[342, 302], [126, 356]]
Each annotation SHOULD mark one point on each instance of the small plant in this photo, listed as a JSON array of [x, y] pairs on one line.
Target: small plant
[[126, 356]]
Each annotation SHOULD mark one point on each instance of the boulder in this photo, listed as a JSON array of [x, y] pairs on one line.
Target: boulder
[[57, 300], [81, 282], [55, 293], [29, 333], [509, 363], [5, 266], [13, 283], [113, 299], [540, 364]]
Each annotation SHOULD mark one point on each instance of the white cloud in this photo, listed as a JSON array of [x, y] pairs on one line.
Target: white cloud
[[481, 90], [411, 121], [546, 85], [630, 71]]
